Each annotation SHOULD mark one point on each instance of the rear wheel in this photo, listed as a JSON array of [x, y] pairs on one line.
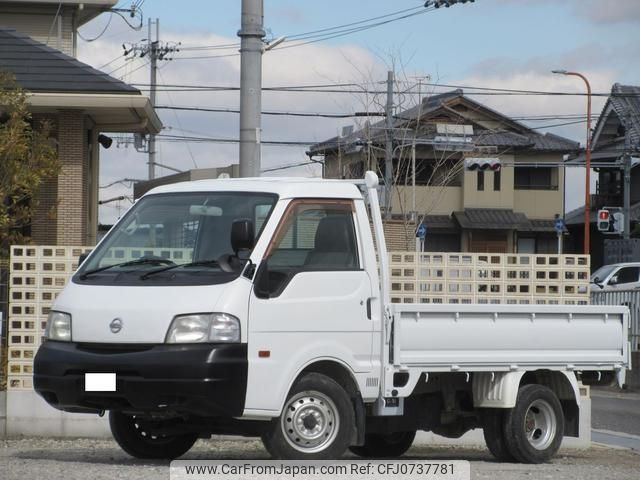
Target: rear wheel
[[534, 428], [493, 430], [316, 422], [385, 446], [134, 437]]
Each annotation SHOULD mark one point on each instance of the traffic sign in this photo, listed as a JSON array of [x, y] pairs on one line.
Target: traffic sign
[[422, 231], [558, 224]]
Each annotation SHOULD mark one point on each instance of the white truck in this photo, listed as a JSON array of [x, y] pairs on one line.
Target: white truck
[[257, 307]]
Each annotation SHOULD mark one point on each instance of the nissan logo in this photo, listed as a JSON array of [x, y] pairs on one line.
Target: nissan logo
[[115, 325]]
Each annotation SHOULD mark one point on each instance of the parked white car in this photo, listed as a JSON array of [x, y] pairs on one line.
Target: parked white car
[[617, 276]]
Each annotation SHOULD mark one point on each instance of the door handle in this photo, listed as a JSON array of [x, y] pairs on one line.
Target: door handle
[[369, 308]]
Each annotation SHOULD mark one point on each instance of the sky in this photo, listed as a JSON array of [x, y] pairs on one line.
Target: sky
[[487, 43]]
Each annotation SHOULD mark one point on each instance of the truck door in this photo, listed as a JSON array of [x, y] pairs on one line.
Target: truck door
[[316, 305]]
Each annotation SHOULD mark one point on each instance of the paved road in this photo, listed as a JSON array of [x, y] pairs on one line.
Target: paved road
[[615, 418], [40, 458]]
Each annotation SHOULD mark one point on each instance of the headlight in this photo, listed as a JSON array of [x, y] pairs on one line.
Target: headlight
[[204, 327], [58, 327]]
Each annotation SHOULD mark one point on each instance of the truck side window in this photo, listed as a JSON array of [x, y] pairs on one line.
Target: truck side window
[[316, 235]]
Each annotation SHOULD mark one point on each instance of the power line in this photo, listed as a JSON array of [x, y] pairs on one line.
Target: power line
[[323, 34], [193, 159], [294, 165], [274, 113], [337, 32], [89, 40], [335, 88], [182, 138], [55, 17]]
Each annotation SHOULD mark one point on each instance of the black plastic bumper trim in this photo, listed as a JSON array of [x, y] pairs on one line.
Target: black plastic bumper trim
[[208, 380]]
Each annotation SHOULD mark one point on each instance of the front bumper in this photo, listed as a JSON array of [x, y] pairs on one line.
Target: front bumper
[[208, 380]]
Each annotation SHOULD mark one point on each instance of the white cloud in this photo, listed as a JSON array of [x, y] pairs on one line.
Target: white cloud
[[307, 65], [596, 11]]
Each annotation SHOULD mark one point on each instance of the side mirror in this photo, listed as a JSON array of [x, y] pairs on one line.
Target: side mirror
[[83, 257], [261, 280], [242, 235]]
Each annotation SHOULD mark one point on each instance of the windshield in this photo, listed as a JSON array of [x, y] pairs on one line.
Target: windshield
[[186, 230], [602, 273]]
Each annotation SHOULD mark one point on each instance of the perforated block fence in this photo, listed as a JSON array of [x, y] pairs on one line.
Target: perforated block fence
[[37, 274]]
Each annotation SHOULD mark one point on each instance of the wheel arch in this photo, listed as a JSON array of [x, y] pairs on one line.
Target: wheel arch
[[342, 375], [500, 390], [565, 386]]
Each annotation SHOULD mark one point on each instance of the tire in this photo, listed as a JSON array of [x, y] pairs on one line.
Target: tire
[[493, 431], [317, 422], [534, 428], [385, 446], [130, 434]]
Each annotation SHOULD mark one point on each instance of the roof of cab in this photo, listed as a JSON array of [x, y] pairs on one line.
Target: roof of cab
[[293, 187]]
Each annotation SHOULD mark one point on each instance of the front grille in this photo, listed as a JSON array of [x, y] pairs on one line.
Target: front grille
[[113, 348]]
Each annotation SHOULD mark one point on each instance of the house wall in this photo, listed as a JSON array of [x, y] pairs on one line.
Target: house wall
[[72, 180], [541, 204], [63, 215], [429, 200], [504, 198], [38, 23]]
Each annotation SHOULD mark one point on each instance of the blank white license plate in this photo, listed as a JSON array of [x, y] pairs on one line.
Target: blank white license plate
[[99, 382]]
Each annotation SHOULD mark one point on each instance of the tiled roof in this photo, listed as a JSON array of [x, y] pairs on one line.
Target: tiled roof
[[440, 222], [39, 68], [491, 219], [625, 100], [500, 219], [524, 137]]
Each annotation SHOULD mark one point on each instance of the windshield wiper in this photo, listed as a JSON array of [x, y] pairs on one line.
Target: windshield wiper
[[139, 261], [199, 263]]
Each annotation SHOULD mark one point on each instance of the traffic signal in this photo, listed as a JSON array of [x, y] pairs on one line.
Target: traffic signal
[[617, 221], [603, 220], [611, 220], [482, 164]]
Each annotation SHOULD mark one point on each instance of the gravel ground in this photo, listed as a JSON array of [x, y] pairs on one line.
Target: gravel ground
[[40, 458]]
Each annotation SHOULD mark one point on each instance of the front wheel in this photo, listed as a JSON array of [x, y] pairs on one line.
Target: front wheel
[[133, 435], [316, 422], [385, 446], [534, 428]]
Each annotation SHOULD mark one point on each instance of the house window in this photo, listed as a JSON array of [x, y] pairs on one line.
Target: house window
[[480, 181], [536, 178], [496, 181]]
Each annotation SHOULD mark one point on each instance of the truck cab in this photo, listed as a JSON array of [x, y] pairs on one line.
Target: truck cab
[[258, 307]]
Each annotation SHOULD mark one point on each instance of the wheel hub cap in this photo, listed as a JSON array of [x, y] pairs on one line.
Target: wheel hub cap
[[310, 422], [540, 424]]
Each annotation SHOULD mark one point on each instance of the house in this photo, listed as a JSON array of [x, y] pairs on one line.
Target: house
[[617, 131], [82, 104], [52, 22], [510, 208]]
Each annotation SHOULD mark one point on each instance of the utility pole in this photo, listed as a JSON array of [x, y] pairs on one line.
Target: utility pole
[[388, 152], [627, 177], [153, 52], [156, 50], [251, 47]]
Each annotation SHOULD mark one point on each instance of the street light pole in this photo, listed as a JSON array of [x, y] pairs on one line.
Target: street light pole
[[587, 194]]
